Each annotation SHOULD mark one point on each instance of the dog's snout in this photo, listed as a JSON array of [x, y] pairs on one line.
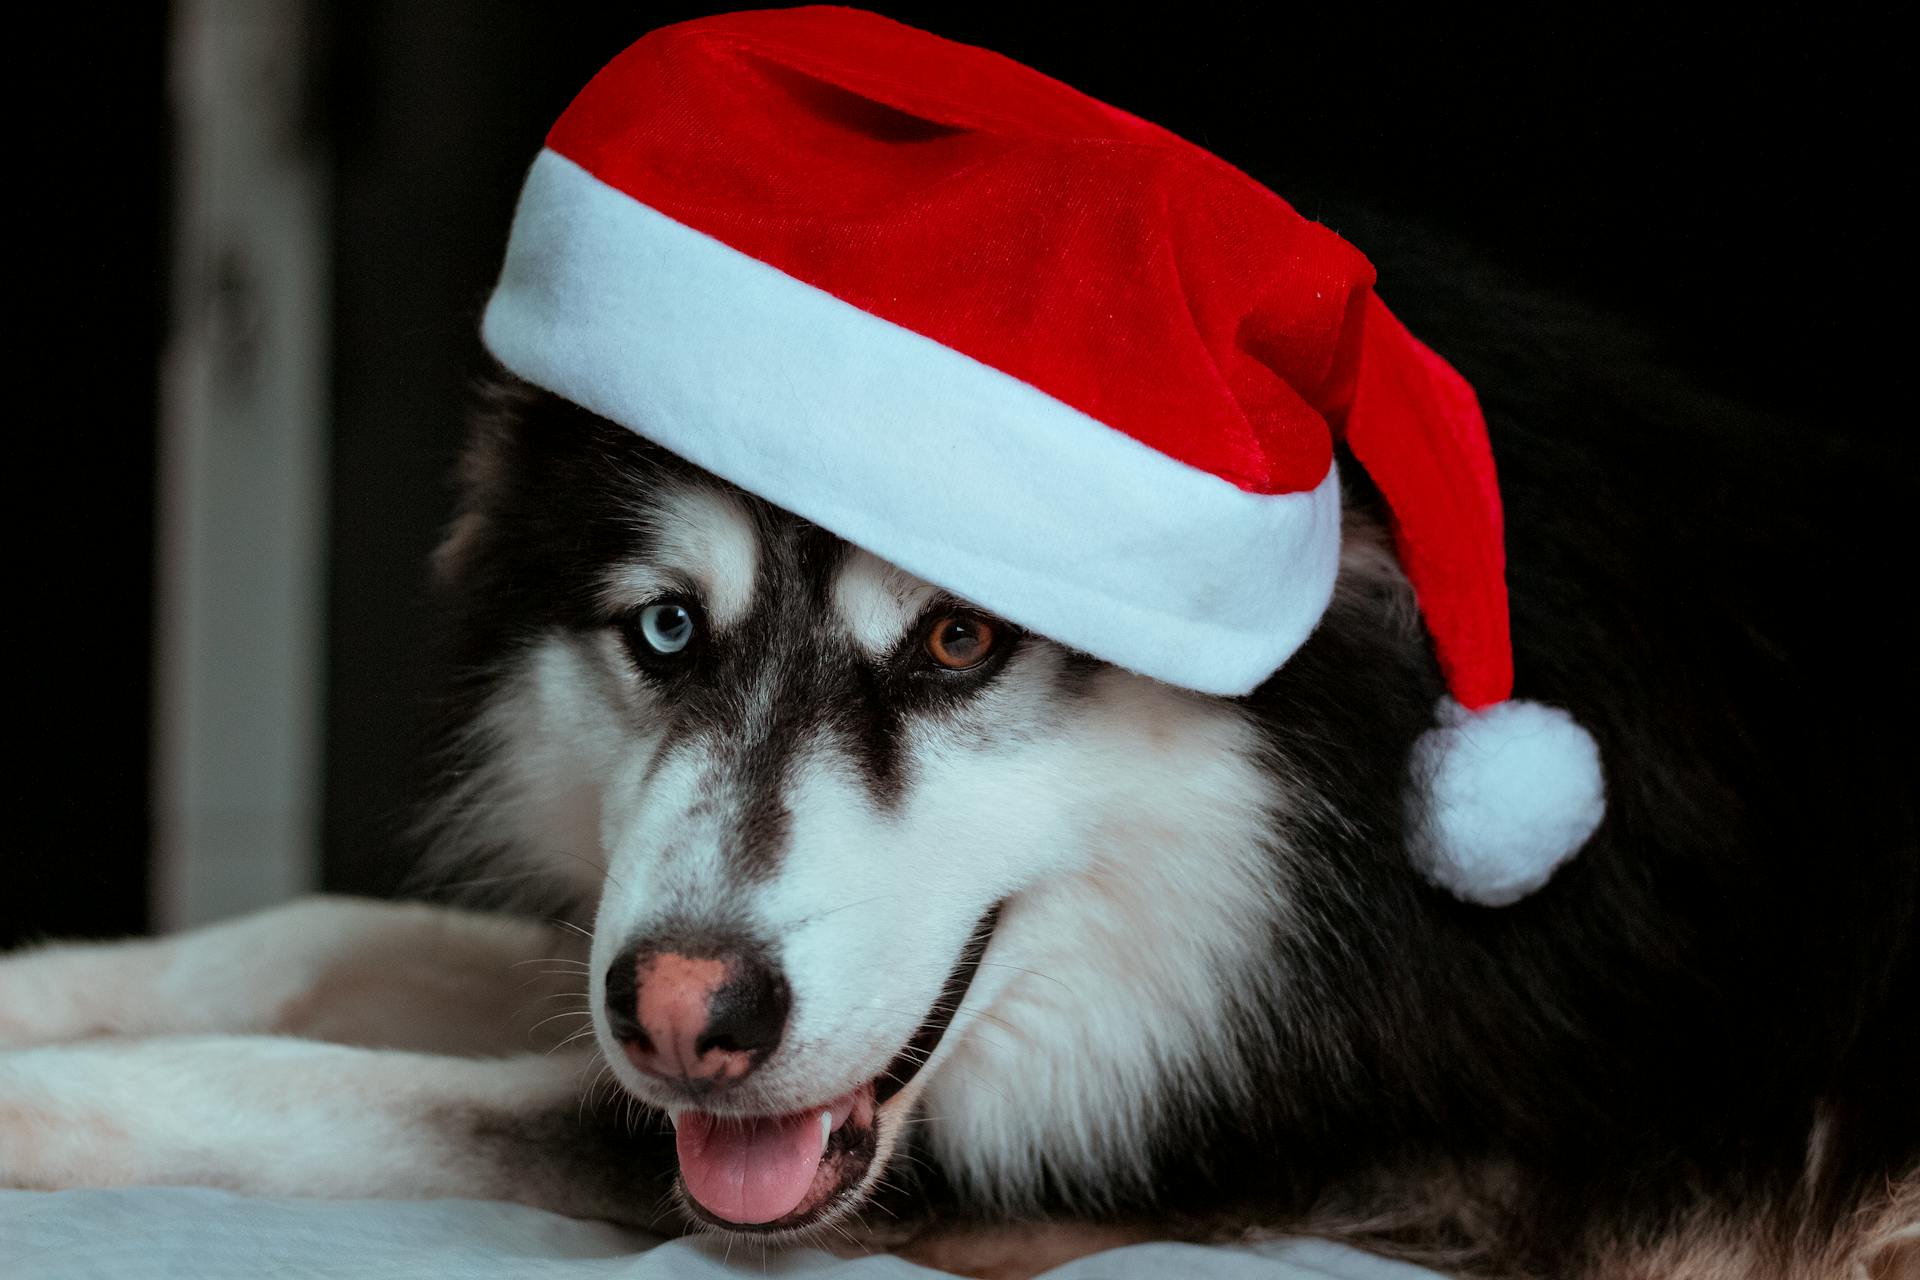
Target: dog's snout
[[702, 1019]]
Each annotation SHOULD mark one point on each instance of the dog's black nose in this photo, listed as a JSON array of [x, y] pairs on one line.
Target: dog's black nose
[[696, 1016]]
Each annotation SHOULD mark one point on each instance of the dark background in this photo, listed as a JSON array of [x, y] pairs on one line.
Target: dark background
[[1728, 187]]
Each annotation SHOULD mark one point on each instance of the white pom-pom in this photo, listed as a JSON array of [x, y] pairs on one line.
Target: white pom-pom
[[1511, 792]]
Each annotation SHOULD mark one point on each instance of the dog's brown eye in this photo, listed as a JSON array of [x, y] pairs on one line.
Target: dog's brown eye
[[958, 641]]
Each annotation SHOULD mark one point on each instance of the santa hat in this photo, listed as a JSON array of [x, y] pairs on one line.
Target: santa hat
[[1039, 352]]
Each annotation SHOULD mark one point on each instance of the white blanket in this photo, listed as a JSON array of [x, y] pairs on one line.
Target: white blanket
[[148, 1232]]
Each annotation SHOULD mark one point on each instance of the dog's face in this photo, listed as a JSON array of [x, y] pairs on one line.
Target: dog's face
[[860, 850]]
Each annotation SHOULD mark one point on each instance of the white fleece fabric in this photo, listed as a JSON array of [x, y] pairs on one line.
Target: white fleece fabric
[[951, 469], [1511, 793], [163, 1233]]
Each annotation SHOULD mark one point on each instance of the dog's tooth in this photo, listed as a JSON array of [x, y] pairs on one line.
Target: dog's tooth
[[826, 1130]]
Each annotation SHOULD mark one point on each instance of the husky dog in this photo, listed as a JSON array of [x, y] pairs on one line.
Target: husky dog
[[838, 892]]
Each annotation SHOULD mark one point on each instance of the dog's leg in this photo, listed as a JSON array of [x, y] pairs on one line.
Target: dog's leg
[[276, 1116], [1019, 1251], [356, 971]]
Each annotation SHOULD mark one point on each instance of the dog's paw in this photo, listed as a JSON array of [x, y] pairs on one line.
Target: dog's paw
[[377, 974], [52, 994], [273, 1115], [57, 1125], [1015, 1251]]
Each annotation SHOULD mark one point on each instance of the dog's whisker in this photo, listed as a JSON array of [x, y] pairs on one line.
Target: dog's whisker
[[971, 1014], [568, 994], [841, 1231], [589, 862], [1047, 977], [662, 1204], [848, 906], [583, 1009], [574, 981], [978, 1081], [979, 1015], [568, 924], [606, 1069], [874, 1204], [575, 1038], [564, 1013]]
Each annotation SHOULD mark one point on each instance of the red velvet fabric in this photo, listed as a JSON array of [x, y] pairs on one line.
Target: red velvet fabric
[[1086, 252], [1415, 425]]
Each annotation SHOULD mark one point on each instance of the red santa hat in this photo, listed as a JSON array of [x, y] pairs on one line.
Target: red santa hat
[[1039, 352]]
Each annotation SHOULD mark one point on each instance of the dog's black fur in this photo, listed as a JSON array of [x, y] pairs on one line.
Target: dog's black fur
[[1713, 1013]]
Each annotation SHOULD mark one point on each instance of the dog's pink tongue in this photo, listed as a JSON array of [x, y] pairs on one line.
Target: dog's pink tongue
[[748, 1171]]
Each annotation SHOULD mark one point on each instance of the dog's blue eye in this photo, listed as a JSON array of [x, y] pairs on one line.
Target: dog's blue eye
[[666, 628]]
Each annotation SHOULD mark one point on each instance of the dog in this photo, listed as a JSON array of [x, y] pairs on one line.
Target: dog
[[844, 908]]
